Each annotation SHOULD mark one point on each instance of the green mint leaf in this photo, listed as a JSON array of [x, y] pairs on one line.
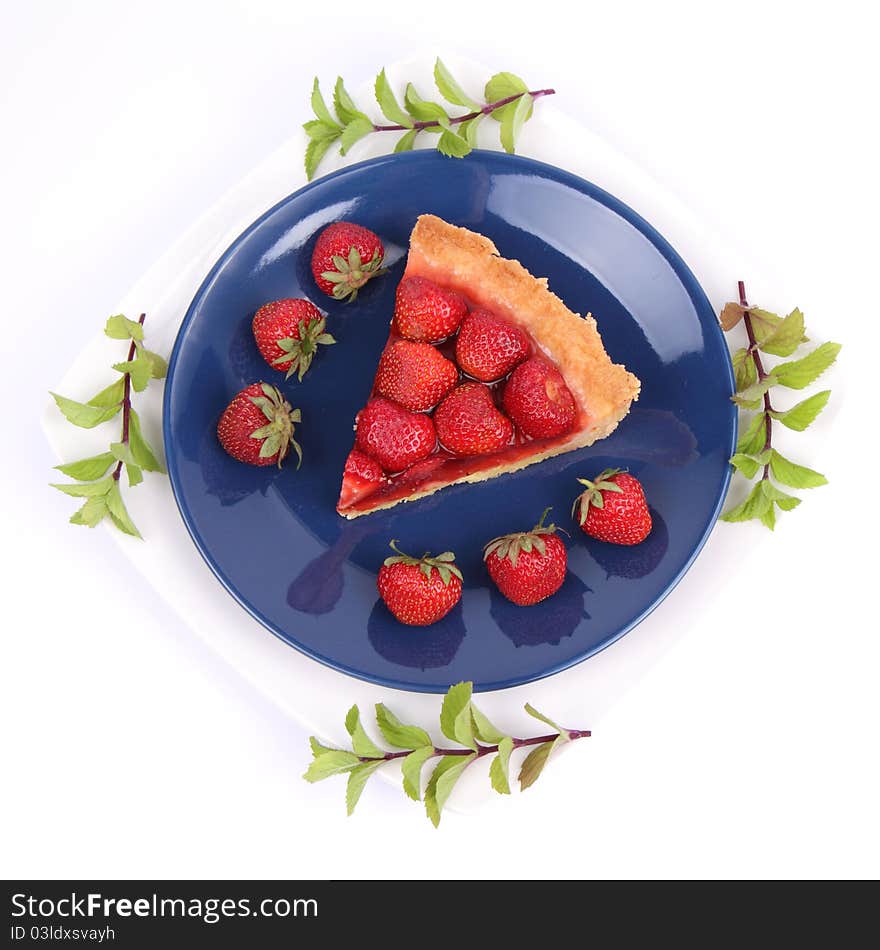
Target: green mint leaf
[[118, 513], [411, 767], [140, 371], [468, 130], [483, 728], [768, 517], [763, 323], [500, 767], [122, 452], [753, 507], [784, 501], [744, 370], [86, 489], [120, 327], [388, 102], [453, 145], [534, 763], [321, 131], [464, 728], [135, 476], [422, 110], [441, 783], [330, 763], [745, 464], [455, 701], [360, 741], [800, 373], [318, 748], [746, 403], [87, 470], [357, 779], [140, 449], [786, 336], [398, 734], [793, 475], [804, 413], [513, 121], [753, 439], [354, 132], [319, 107], [502, 85], [450, 89], [158, 364], [111, 395], [345, 108], [315, 151], [756, 390], [91, 513], [82, 414], [406, 141], [538, 715]]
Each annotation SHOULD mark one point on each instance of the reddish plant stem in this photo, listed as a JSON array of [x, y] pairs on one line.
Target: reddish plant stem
[[485, 110], [126, 401], [481, 750], [759, 366]]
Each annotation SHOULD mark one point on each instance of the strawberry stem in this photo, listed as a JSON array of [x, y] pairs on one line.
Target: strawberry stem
[[126, 402], [759, 366], [487, 109], [481, 750]]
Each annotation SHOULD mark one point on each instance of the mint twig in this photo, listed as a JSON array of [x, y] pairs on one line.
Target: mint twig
[[759, 366], [102, 492], [126, 401], [481, 750], [462, 722], [506, 99], [769, 333], [487, 109]]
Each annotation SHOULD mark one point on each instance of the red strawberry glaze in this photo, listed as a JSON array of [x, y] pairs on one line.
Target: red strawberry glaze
[[442, 467]]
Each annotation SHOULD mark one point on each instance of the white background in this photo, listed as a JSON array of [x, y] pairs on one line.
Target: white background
[[129, 750]]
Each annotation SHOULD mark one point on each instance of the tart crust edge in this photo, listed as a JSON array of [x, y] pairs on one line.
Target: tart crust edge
[[470, 263]]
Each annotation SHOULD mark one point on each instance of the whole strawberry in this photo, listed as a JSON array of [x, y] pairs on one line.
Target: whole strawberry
[[288, 333], [345, 257], [419, 591], [257, 426], [415, 375], [425, 312], [488, 348], [613, 508], [538, 401], [468, 423], [395, 437], [528, 566], [361, 477]]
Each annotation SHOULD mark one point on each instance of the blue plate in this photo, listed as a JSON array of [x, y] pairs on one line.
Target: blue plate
[[273, 538]]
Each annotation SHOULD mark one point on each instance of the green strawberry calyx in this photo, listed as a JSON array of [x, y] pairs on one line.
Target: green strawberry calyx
[[298, 354], [277, 433], [593, 493], [443, 563], [510, 545], [352, 273]]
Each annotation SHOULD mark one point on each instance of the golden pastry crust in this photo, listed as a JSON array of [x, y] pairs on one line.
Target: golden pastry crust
[[469, 263]]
